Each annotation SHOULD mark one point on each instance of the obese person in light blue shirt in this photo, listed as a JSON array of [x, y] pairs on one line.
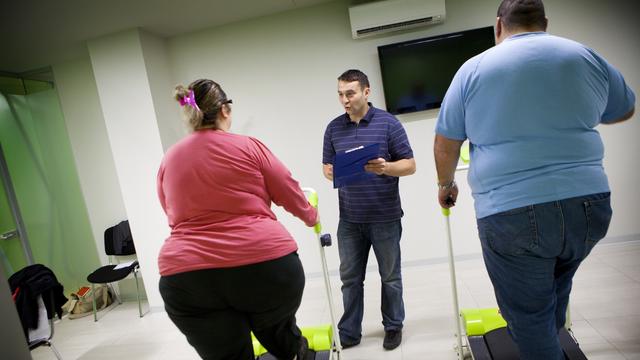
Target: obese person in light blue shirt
[[529, 107]]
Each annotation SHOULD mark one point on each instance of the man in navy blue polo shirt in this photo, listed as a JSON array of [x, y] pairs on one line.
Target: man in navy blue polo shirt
[[370, 211]]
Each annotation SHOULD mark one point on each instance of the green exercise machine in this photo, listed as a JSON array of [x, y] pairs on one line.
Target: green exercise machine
[[481, 334]]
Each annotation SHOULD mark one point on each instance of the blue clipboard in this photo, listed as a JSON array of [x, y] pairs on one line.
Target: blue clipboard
[[348, 166]]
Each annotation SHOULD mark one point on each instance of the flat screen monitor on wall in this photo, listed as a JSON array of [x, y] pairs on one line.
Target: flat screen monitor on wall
[[416, 74]]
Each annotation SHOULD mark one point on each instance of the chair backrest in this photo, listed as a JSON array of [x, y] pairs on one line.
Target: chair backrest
[[118, 240]]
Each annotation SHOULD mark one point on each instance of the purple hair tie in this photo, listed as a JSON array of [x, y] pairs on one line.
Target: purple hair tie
[[190, 99]]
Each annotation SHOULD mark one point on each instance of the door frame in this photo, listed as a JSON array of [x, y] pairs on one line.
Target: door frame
[[15, 208]]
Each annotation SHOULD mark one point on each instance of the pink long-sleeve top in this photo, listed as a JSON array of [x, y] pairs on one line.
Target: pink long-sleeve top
[[216, 189]]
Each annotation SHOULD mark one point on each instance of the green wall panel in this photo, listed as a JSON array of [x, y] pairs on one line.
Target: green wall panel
[[38, 153]]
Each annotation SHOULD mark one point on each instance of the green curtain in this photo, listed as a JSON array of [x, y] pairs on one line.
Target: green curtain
[[42, 169]]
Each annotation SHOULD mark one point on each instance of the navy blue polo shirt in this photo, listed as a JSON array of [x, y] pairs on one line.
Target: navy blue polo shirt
[[377, 200]]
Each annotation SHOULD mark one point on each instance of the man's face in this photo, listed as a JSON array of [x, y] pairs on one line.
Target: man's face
[[352, 97]]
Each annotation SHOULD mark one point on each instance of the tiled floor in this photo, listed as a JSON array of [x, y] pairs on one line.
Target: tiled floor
[[605, 311]]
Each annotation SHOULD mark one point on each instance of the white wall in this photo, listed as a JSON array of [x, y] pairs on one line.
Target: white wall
[[161, 86], [80, 105], [128, 109], [281, 72], [610, 27], [76, 87]]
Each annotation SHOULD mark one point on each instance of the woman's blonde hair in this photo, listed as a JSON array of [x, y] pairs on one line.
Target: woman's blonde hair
[[209, 100]]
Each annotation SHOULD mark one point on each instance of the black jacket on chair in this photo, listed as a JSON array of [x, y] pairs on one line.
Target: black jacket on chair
[[32, 281]]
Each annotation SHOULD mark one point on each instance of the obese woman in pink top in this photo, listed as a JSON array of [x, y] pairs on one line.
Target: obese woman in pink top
[[229, 267]]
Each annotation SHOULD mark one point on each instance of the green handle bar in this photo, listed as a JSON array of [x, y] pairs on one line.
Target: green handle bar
[[312, 196]]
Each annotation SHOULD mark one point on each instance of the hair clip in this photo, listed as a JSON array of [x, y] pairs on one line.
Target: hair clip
[[190, 99]]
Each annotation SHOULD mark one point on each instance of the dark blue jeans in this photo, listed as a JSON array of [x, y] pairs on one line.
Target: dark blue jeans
[[531, 254], [354, 242]]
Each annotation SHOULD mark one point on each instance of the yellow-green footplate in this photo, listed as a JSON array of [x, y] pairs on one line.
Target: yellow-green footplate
[[478, 322], [319, 338]]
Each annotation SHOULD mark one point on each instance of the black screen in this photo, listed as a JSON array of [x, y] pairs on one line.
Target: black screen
[[416, 74]]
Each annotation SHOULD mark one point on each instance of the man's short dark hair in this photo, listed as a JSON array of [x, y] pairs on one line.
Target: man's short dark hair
[[355, 75], [525, 14]]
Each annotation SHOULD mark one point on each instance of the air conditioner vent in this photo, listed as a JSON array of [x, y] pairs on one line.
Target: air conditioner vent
[[399, 26], [393, 15]]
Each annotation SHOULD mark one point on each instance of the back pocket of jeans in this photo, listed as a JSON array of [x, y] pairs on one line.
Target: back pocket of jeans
[[598, 214], [512, 232]]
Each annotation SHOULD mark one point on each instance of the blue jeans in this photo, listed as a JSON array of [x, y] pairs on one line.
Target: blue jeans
[[531, 254], [354, 242]]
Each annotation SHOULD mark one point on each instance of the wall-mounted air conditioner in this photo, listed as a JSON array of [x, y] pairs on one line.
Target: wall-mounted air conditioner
[[393, 15]]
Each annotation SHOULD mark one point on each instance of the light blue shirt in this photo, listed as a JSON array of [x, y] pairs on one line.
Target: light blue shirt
[[529, 107]]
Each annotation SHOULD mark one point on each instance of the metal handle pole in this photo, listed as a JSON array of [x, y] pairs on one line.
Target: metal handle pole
[[313, 200], [327, 285], [460, 349], [454, 287]]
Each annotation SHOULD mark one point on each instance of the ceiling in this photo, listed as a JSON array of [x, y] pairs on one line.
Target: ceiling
[[35, 33]]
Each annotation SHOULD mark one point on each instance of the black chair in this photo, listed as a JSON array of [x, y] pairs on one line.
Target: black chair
[[38, 297], [117, 242], [44, 333]]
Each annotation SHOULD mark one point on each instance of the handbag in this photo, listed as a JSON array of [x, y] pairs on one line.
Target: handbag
[[80, 303]]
